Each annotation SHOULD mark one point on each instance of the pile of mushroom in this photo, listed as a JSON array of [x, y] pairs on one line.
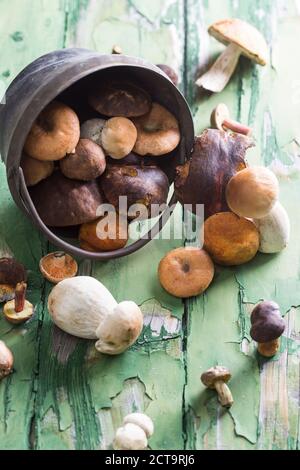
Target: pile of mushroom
[[137, 428], [73, 168], [83, 307]]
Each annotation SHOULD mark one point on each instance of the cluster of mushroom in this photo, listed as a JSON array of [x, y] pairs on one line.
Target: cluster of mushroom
[[74, 168]]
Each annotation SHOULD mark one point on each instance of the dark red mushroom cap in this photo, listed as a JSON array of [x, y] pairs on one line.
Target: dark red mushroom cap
[[267, 322]]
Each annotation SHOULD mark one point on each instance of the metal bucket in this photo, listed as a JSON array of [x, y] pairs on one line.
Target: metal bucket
[[66, 74]]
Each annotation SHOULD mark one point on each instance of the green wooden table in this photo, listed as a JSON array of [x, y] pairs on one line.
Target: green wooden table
[[63, 394]]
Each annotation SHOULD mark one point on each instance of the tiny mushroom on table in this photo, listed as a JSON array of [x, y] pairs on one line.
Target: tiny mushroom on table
[[18, 310], [220, 119], [55, 267], [267, 328], [137, 428], [6, 360], [241, 38], [217, 378]]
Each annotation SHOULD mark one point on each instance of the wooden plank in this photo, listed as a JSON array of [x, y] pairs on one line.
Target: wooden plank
[[265, 414]]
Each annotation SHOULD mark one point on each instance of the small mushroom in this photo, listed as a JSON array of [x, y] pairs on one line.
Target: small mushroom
[[274, 230], [62, 202], [217, 378], [104, 234], [83, 307], [241, 38], [116, 50], [137, 428], [6, 360], [18, 310], [55, 267], [267, 328], [220, 119], [11, 273], [158, 132], [118, 137], [120, 99], [92, 130], [230, 240], [186, 272], [252, 192], [35, 170], [170, 72], [86, 163], [55, 133]]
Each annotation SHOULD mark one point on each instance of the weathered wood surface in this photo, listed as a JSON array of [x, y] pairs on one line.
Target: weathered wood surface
[[63, 395]]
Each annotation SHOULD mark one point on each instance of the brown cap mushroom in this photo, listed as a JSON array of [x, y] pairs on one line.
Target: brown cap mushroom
[[118, 137], [220, 119], [11, 273], [252, 192], [86, 164], [104, 234], [55, 267], [55, 133], [62, 202], [267, 327], [241, 38], [120, 99], [18, 310], [35, 170], [217, 378]]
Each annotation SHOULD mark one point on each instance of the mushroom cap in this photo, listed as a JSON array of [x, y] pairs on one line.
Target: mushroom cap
[[118, 137], [244, 35], [55, 267], [6, 360], [267, 322], [11, 272], [130, 437], [252, 192], [86, 164], [141, 420], [92, 130], [215, 374], [274, 230], [35, 170], [219, 115], [104, 234], [17, 317]]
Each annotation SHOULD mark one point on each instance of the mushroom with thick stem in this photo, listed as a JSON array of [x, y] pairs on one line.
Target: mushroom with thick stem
[[18, 310], [137, 428], [6, 360], [83, 307], [220, 119], [11, 273], [55, 267], [267, 328], [241, 38], [217, 378]]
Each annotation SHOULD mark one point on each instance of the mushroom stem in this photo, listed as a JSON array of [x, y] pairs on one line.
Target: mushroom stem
[[269, 349], [237, 127], [217, 77], [20, 294], [225, 396]]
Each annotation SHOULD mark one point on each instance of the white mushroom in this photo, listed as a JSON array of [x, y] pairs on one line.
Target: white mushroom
[[92, 130], [134, 434], [6, 360], [274, 230], [83, 307]]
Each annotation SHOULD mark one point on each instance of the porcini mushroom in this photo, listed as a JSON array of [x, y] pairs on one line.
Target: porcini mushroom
[[217, 378], [118, 137], [83, 307], [6, 360], [62, 202], [55, 267], [11, 273], [158, 132], [120, 99], [92, 130], [137, 428], [86, 163], [170, 72], [220, 119], [35, 170], [274, 230], [216, 157], [267, 328], [230, 240], [55, 133], [241, 38], [18, 310], [186, 272], [252, 192]]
